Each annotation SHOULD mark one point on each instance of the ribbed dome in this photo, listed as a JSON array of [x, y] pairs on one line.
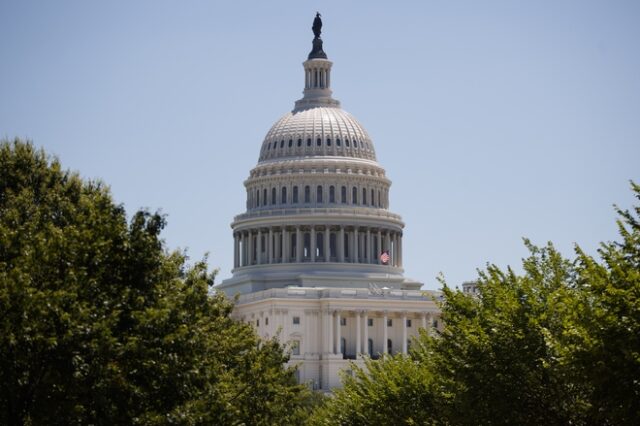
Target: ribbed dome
[[317, 131]]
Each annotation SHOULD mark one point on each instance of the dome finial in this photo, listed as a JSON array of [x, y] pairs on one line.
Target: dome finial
[[317, 51]]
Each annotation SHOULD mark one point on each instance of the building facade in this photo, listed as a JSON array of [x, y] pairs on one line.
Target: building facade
[[318, 253]]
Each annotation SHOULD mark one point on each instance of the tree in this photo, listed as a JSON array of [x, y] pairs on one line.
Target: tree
[[100, 324], [559, 344]]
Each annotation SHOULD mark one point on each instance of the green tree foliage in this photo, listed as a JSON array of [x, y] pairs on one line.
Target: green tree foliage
[[557, 345], [100, 324]]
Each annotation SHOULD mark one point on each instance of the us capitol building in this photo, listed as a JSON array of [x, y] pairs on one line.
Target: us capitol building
[[318, 253]]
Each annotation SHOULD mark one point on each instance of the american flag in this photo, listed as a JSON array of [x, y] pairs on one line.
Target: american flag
[[384, 257]]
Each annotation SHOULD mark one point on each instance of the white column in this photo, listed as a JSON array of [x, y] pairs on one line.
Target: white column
[[355, 245], [327, 243], [404, 333], [338, 332], [270, 245], [331, 325], [259, 247], [387, 243], [385, 337], [358, 337], [285, 245], [313, 244], [327, 323], [235, 250], [365, 335], [340, 245]]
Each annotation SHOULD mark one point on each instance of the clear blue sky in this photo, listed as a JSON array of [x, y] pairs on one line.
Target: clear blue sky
[[495, 120]]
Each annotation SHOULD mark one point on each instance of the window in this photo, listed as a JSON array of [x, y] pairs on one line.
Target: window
[[295, 347], [343, 321], [318, 142], [355, 143], [283, 197], [319, 194], [408, 323], [347, 142], [435, 323], [343, 195], [295, 194], [320, 244], [307, 194], [290, 142], [296, 320], [389, 347], [338, 143], [343, 345], [364, 196], [373, 203], [370, 347], [309, 142], [268, 146], [370, 322], [257, 198], [299, 142], [379, 200], [258, 323], [332, 194], [266, 321], [332, 245], [389, 322], [306, 248], [264, 197], [328, 142], [282, 144], [354, 195], [273, 195]]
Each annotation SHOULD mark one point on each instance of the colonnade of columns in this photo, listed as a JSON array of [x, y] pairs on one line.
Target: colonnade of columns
[[321, 243], [332, 323]]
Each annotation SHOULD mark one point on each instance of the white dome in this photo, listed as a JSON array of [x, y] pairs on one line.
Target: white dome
[[318, 131]]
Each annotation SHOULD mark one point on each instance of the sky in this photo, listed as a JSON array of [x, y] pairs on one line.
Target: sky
[[495, 120]]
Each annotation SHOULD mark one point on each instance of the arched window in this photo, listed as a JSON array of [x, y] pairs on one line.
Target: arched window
[[282, 143], [338, 143], [373, 204], [307, 194], [257, 198], [370, 347], [319, 194], [290, 142], [347, 142], [268, 146], [295, 194], [332, 194], [264, 197], [364, 196], [355, 143], [343, 195], [389, 347], [318, 142], [283, 195], [354, 195], [309, 142], [328, 141], [379, 200], [299, 142]]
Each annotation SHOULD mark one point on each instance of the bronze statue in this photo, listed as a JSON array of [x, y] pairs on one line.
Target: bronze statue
[[317, 25]]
